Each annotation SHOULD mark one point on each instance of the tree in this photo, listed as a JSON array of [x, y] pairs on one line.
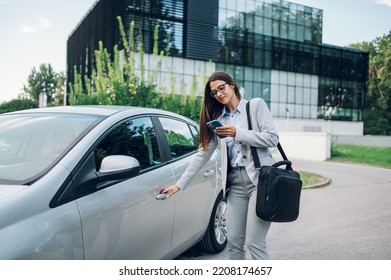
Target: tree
[[377, 107], [17, 104], [46, 81], [59, 92], [115, 83]]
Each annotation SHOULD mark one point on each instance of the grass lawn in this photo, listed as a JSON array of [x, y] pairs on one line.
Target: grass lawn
[[310, 178], [378, 156]]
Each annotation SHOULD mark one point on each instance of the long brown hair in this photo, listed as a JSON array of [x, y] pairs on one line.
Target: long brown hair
[[211, 108]]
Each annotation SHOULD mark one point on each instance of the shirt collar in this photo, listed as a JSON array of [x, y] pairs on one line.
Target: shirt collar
[[239, 109], [242, 105], [225, 112]]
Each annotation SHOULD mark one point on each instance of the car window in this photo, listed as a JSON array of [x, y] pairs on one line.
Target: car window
[[195, 133], [135, 138], [179, 136]]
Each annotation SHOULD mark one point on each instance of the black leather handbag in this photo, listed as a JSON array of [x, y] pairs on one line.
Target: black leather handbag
[[279, 189]]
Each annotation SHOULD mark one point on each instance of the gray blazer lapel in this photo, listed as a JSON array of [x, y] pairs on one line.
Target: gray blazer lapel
[[223, 164]]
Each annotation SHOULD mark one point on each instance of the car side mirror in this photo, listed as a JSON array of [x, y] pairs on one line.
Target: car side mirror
[[118, 167], [118, 163]]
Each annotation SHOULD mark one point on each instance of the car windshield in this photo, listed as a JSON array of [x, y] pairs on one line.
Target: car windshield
[[31, 143]]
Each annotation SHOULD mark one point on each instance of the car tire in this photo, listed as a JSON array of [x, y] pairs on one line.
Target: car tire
[[215, 238]]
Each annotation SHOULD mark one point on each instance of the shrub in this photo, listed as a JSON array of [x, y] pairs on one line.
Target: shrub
[[17, 104]]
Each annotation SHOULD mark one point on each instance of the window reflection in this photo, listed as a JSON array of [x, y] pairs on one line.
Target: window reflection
[[135, 138], [180, 138], [167, 14]]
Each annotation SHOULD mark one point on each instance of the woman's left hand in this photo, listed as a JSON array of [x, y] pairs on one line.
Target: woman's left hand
[[226, 130]]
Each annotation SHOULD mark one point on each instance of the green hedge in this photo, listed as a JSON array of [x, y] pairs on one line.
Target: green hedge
[[17, 104]]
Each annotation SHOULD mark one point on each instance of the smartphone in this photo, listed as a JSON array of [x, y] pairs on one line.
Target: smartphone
[[212, 126]]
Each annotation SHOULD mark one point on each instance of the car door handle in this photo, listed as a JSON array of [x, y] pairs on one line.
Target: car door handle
[[209, 173], [161, 196]]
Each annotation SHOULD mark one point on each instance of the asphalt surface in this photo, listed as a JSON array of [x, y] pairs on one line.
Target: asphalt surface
[[347, 219]]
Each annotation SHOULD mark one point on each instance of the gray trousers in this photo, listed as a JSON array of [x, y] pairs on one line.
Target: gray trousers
[[243, 225]]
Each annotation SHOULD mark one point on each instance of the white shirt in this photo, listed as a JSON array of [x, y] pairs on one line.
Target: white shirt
[[234, 153]]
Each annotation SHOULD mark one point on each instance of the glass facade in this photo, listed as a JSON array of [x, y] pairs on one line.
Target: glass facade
[[300, 76], [274, 18], [273, 48], [147, 14]]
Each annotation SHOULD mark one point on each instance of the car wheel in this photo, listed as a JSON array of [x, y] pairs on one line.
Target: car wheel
[[215, 238]]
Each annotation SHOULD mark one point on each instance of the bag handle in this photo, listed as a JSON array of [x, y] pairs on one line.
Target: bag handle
[[288, 164], [254, 153]]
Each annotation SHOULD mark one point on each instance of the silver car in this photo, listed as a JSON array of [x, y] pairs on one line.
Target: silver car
[[84, 182]]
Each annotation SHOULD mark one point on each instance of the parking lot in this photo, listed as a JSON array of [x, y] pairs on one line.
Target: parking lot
[[346, 220]]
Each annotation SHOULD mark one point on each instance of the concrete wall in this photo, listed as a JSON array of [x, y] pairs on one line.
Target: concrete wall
[[366, 140], [325, 126], [306, 145], [317, 145]]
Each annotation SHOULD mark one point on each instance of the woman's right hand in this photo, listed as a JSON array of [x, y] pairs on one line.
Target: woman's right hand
[[173, 189]]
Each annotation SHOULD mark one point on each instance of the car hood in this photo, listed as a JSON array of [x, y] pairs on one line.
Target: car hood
[[8, 190]]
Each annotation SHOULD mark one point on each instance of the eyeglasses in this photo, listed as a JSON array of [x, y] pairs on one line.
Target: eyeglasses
[[220, 89]]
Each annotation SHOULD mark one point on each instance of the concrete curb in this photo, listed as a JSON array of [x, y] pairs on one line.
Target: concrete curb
[[326, 182]]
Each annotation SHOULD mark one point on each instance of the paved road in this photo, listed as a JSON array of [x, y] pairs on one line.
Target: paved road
[[350, 219]]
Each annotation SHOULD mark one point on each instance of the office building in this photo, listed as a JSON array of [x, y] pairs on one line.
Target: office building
[[272, 48]]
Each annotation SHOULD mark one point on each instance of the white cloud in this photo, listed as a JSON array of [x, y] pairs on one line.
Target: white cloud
[[28, 29], [3, 2], [42, 23], [383, 2]]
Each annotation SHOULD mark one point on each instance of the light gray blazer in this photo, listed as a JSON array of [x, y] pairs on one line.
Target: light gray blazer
[[262, 136]]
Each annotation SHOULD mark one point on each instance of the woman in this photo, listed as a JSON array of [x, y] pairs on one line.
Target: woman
[[222, 101]]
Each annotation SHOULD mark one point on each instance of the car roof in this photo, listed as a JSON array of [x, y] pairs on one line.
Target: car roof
[[102, 110]]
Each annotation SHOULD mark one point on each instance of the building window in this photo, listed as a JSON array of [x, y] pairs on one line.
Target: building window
[[168, 15]]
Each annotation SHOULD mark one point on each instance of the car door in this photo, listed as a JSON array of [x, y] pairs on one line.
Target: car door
[[125, 220], [193, 205]]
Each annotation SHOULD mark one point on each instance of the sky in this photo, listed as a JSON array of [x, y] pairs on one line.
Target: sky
[[35, 32]]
